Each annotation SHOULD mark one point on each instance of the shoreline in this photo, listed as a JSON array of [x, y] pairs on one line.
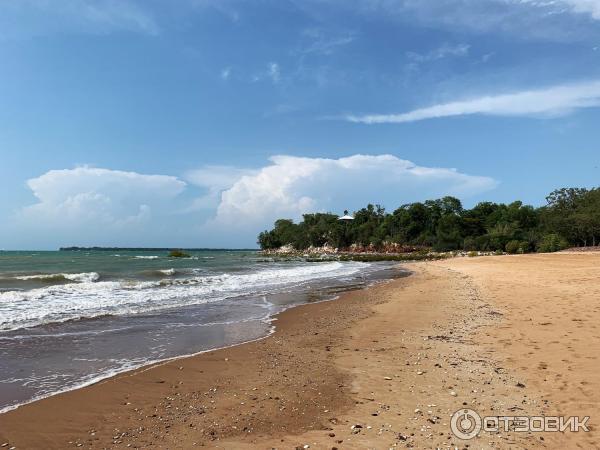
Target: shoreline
[[380, 367], [57, 364], [132, 371], [39, 406], [149, 365]]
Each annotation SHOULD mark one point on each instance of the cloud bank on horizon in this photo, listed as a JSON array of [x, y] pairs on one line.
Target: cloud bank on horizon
[[291, 186], [107, 198], [96, 206]]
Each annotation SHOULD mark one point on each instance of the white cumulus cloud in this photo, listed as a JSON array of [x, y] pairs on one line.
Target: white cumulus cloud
[[74, 198], [291, 186], [95, 206], [548, 102], [214, 179]]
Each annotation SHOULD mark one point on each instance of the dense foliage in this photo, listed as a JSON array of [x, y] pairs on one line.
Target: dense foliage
[[570, 218]]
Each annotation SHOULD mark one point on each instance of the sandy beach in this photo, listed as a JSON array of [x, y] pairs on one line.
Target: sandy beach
[[378, 368]]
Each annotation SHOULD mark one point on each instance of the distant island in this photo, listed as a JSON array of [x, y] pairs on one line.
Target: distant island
[[571, 217], [154, 249]]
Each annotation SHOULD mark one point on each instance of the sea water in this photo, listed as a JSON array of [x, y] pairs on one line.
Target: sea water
[[71, 318]]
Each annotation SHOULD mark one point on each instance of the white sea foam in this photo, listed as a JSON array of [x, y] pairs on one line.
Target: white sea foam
[[168, 272], [89, 277], [84, 277], [147, 257], [88, 299]]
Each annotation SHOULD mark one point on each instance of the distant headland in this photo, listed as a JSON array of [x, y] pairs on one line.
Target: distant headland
[[570, 218]]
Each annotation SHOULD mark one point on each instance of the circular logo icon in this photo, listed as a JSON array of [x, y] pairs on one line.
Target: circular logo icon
[[465, 424]]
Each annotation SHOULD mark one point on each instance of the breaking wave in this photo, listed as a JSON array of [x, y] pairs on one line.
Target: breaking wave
[[85, 277], [88, 297]]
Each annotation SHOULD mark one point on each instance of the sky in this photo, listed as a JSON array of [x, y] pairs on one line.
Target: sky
[[197, 123]]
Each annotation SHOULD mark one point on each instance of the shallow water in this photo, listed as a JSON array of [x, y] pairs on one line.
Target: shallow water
[[68, 319]]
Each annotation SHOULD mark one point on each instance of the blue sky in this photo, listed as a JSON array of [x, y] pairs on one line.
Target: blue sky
[[198, 122]]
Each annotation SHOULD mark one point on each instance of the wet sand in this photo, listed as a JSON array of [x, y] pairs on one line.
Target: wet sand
[[383, 367]]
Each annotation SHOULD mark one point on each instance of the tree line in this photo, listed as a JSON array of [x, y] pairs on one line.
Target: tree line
[[571, 217]]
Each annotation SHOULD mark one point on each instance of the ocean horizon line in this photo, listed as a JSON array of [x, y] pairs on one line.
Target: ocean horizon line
[[154, 249]]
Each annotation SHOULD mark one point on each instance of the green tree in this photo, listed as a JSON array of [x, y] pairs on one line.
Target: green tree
[[570, 217]]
